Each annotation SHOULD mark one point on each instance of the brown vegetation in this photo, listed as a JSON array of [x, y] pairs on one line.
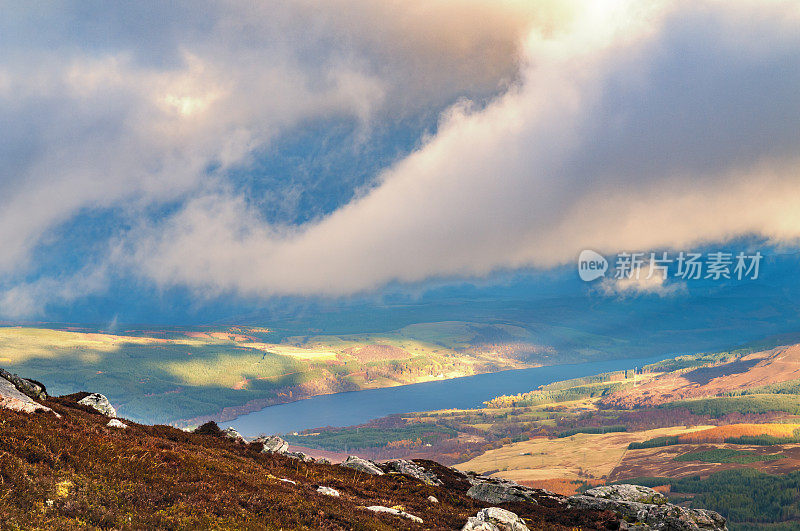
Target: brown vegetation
[[753, 370], [74, 472], [660, 462]]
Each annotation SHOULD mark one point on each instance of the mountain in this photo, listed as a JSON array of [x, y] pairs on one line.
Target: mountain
[[71, 464]]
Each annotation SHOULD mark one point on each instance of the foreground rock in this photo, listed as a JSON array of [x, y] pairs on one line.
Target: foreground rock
[[99, 403], [495, 519], [394, 511], [651, 512], [30, 388], [363, 465], [409, 468], [116, 423], [272, 445], [643, 507], [12, 398]]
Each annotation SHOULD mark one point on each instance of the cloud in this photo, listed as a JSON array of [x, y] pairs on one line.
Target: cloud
[[606, 125], [643, 283], [128, 106], [632, 126], [28, 299]]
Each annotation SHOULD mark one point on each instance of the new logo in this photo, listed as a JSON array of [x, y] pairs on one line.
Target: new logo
[[591, 265]]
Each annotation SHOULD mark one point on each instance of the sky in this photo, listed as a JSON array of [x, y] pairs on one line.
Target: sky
[[190, 160]]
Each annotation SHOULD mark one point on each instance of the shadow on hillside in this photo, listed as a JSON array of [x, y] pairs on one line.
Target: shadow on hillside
[[704, 375]]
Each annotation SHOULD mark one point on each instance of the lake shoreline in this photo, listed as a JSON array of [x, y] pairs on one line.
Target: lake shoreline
[[356, 407]]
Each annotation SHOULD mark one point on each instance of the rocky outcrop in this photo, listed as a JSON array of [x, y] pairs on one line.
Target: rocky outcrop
[[409, 468], [272, 444], [300, 456], [643, 507], [116, 423], [362, 465], [496, 490], [628, 493], [30, 388], [99, 403], [231, 433], [13, 398], [395, 511], [495, 519], [647, 509]]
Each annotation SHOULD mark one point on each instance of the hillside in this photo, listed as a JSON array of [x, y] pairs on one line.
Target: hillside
[[705, 428], [187, 376], [67, 466]]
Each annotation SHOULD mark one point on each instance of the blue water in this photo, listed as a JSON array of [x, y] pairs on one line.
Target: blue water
[[357, 407]]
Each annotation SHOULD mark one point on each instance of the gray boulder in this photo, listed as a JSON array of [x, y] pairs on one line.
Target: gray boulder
[[409, 468], [30, 388], [116, 423], [363, 465], [495, 490], [231, 433], [99, 403], [628, 493], [300, 456], [272, 445], [651, 512], [12, 398], [495, 519]]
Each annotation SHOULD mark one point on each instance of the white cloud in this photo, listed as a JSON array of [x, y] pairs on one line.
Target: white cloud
[[613, 139], [620, 125], [128, 105], [642, 284], [28, 299]]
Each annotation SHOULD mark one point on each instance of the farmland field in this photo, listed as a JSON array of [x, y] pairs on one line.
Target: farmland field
[[581, 456]]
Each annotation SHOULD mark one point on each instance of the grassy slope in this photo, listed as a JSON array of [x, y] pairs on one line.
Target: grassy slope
[[74, 472]]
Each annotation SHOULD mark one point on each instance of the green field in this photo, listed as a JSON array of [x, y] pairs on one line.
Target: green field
[[177, 376], [726, 455]]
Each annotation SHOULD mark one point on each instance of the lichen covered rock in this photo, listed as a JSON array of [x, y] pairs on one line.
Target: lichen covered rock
[[409, 468], [231, 433], [495, 519], [495, 490], [652, 514], [99, 403], [12, 398], [363, 465], [272, 445], [628, 493]]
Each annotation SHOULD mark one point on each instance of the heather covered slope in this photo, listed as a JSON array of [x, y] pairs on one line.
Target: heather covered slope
[[74, 471]]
